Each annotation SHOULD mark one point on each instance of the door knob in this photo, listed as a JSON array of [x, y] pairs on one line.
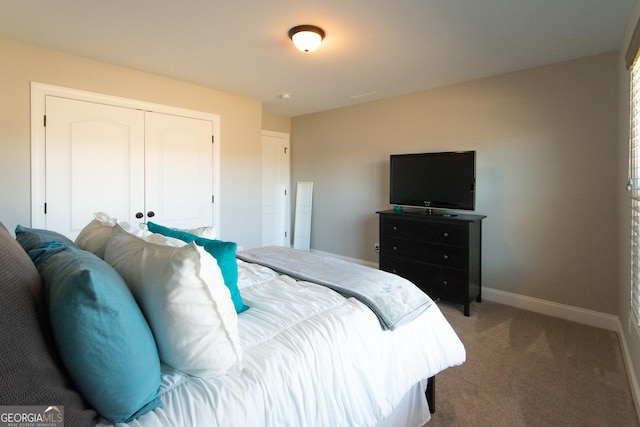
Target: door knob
[[151, 214], [139, 215]]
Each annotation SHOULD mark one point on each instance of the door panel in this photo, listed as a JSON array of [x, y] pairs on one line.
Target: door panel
[[179, 170], [94, 157]]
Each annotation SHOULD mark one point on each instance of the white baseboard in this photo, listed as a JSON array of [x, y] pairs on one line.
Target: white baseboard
[[563, 311], [631, 372]]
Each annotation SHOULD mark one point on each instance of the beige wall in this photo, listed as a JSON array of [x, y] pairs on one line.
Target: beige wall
[[629, 329], [276, 123], [546, 173], [240, 123]]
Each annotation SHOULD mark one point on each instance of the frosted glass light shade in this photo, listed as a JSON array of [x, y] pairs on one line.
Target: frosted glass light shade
[[306, 38]]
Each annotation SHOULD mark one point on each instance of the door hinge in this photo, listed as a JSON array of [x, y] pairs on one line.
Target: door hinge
[[285, 150], [213, 139], [285, 234], [213, 198], [45, 120], [45, 208], [285, 191]]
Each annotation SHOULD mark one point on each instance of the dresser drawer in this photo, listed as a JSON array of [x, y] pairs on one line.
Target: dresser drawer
[[434, 280], [445, 234], [446, 256]]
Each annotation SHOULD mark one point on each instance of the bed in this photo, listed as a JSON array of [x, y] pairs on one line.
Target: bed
[[305, 354]]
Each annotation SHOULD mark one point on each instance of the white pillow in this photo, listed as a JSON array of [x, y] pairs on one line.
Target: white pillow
[[95, 235], [206, 232], [183, 296]]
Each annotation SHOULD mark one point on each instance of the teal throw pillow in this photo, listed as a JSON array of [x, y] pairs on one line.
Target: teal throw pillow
[[101, 334], [33, 238], [223, 252]]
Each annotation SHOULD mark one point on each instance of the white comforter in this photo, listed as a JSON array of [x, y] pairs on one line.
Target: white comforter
[[311, 358]]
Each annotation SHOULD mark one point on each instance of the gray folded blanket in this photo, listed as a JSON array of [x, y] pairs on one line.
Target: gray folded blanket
[[393, 299]]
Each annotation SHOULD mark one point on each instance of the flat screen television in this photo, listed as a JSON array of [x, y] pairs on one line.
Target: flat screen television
[[444, 180]]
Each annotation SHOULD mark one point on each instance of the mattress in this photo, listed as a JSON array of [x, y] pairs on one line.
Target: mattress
[[310, 357]]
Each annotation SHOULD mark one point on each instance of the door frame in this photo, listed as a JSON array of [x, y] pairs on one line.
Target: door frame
[[39, 93]]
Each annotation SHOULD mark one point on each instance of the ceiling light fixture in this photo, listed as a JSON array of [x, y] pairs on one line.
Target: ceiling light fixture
[[307, 38]]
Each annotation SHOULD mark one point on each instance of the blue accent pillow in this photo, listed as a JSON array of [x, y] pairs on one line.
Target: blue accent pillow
[[101, 334], [30, 366], [33, 238], [223, 252]]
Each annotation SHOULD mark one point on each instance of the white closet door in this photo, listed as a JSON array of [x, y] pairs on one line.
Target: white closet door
[[275, 189], [94, 162], [178, 171]]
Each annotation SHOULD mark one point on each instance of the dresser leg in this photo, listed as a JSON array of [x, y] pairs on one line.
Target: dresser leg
[[466, 309]]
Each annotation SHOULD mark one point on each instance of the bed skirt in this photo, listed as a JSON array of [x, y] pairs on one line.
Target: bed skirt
[[412, 411]]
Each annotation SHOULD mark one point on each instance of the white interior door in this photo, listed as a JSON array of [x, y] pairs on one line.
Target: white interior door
[[178, 171], [94, 156], [275, 189]]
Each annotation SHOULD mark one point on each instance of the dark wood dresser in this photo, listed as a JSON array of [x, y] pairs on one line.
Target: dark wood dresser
[[441, 254]]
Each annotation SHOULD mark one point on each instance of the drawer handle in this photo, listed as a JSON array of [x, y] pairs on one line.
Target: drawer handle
[[445, 282], [395, 228], [394, 270], [445, 256], [395, 248], [445, 234]]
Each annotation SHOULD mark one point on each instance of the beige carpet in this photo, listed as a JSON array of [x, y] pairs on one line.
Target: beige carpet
[[528, 369]]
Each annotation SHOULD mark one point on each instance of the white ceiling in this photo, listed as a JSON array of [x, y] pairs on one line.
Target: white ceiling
[[373, 48]]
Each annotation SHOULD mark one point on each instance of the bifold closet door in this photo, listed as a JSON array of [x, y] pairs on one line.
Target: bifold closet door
[[94, 162], [178, 171], [133, 165]]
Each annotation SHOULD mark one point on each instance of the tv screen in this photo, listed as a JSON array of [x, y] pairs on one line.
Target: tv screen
[[445, 180]]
